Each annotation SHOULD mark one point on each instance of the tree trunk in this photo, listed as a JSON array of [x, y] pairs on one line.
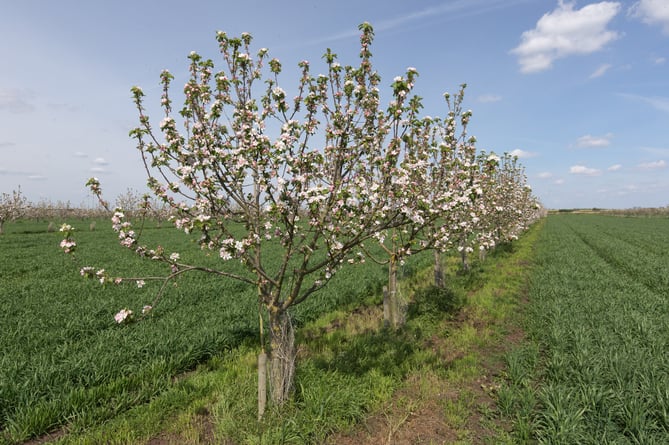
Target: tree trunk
[[282, 355], [1, 229], [465, 261], [262, 384], [395, 315], [438, 270], [463, 253], [386, 307]]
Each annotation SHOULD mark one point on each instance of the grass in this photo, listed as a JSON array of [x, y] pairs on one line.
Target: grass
[[595, 369], [63, 359], [350, 369]]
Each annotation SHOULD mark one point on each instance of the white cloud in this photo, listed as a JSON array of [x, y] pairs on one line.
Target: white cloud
[[16, 101], [487, 98], [559, 181], [99, 165], [653, 165], [564, 32], [657, 102], [63, 107], [658, 151], [520, 154], [589, 141], [80, 154], [599, 72], [653, 12], [545, 175], [659, 60], [614, 168], [583, 170]]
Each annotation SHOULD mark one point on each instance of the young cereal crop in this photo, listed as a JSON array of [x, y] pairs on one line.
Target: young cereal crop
[[599, 307], [65, 361]]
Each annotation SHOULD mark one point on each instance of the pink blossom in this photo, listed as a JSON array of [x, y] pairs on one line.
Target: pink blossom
[[68, 245], [122, 315]]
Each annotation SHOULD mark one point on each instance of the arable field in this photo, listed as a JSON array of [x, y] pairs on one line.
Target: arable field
[[64, 360], [596, 368], [186, 375], [591, 293]]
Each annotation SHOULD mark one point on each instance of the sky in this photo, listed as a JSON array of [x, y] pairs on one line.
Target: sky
[[578, 90]]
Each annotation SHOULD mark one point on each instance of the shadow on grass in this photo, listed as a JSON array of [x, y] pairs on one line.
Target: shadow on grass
[[387, 351]]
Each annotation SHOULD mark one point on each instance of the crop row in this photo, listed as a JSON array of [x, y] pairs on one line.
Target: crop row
[[63, 359], [599, 314]]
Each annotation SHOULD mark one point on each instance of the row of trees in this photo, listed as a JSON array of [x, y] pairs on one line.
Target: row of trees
[[15, 205], [323, 173], [12, 207], [638, 211]]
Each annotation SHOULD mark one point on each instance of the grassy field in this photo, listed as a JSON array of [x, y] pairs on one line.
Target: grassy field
[[596, 370], [187, 374], [590, 292], [351, 371], [63, 359]]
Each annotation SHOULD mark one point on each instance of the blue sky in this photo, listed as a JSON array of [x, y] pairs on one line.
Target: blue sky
[[578, 90]]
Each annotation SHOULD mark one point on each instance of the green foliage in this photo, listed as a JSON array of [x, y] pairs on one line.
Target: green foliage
[[108, 383], [63, 359], [598, 312], [435, 301]]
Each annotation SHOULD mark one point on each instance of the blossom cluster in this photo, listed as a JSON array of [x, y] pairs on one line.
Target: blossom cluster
[[123, 316], [67, 243]]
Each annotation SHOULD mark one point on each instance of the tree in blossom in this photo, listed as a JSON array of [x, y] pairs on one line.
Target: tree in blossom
[[431, 194], [457, 177], [510, 206], [295, 185], [131, 201], [489, 204], [317, 174], [411, 199], [12, 206]]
